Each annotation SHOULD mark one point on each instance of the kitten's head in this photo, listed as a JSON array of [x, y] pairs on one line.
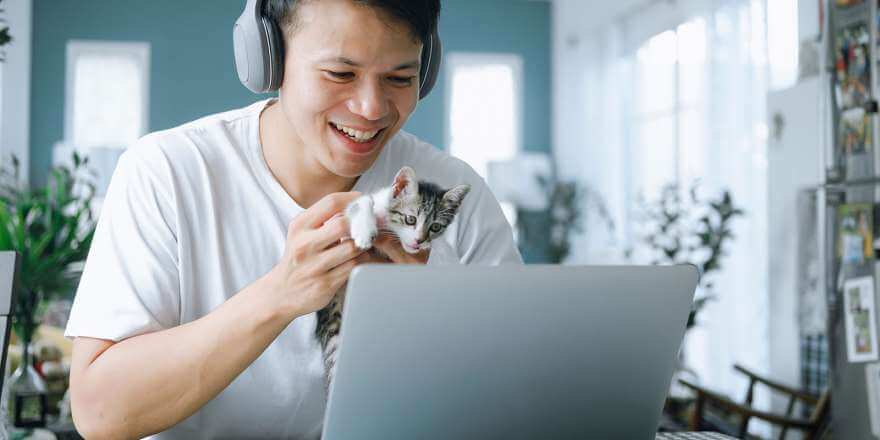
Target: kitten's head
[[420, 211]]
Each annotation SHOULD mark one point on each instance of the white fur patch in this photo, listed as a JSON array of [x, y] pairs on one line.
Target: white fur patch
[[362, 222]]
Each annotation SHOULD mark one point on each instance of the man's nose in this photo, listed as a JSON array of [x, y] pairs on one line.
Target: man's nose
[[370, 101]]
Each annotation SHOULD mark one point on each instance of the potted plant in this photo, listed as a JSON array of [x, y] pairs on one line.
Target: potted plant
[[690, 229], [5, 37], [568, 205], [51, 228]]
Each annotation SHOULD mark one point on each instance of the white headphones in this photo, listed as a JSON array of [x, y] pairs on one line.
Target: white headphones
[[259, 53]]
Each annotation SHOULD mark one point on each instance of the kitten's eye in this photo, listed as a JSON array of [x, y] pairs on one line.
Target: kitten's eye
[[435, 228], [410, 220]]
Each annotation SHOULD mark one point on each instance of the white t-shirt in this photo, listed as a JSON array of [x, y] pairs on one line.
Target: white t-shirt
[[193, 215]]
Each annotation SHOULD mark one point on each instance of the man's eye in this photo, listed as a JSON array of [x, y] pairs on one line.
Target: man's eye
[[435, 228], [402, 80], [410, 220], [340, 75]]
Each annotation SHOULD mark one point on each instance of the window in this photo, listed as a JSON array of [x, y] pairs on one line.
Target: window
[[15, 84], [107, 93], [698, 111], [782, 42], [670, 76], [484, 102]]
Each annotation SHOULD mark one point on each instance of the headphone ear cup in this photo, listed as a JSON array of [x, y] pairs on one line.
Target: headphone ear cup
[[275, 55], [432, 56]]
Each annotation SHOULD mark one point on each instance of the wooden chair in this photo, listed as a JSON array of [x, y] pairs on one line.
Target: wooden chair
[[814, 428]]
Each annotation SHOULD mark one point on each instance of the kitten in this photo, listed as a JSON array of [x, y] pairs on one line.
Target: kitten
[[416, 212]]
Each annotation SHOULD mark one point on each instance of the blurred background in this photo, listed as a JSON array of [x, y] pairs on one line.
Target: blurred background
[[624, 132]]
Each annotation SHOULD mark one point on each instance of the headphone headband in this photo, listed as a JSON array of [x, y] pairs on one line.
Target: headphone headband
[[259, 52]]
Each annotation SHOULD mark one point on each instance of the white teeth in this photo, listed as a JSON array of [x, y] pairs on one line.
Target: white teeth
[[357, 135]]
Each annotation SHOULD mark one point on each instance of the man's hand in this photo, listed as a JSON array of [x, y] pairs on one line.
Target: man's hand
[[316, 261], [390, 251]]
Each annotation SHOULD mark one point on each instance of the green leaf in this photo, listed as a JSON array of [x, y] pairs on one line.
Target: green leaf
[[5, 37], [52, 227]]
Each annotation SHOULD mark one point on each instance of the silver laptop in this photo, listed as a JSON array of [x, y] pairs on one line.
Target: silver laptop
[[510, 352]]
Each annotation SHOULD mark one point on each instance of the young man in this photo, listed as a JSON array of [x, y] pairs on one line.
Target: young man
[[219, 239]]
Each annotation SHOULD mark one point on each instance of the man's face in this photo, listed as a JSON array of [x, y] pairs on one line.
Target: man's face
[[351, 80]]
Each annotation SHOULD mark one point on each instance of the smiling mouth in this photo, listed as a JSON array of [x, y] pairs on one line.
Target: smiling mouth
[[358, 136]]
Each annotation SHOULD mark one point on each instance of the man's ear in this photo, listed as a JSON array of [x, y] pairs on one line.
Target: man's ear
[[405, 184]]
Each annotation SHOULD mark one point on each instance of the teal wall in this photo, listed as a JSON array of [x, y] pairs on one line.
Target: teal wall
[[192, 72]]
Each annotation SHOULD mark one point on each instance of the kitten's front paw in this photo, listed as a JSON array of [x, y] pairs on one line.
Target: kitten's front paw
[[363, 240], [362, 222]]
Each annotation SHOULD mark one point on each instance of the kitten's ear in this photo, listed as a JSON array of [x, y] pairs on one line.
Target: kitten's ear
[[405, 184], [455, 196]]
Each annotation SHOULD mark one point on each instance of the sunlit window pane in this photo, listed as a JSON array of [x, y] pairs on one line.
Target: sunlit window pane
[[484, 109], [107, 91], [672, 85], [692, 145], [692, 62], [782, 42], [655, 81], [655, 155]]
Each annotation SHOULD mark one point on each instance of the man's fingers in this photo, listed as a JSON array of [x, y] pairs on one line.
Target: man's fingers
[[331, 233], [391, 247], [372, 257], [339, 275], [324, 209], [337, 255]]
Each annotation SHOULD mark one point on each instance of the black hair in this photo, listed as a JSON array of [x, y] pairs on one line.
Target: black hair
[[420, 15]]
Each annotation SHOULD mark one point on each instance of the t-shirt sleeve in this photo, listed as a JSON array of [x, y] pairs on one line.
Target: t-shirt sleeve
[[130, 282], [485, 237]]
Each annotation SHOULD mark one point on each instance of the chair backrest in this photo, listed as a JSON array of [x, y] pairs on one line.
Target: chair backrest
[[8, 281], [821, 413]]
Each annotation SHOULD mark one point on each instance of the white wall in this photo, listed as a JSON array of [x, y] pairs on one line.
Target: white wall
[[793, 164], [16, 85]]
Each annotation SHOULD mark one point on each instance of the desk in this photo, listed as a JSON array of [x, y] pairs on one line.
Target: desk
[[693, 436]]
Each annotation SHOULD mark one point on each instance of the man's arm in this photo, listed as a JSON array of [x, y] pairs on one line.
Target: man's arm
[[148, 383]]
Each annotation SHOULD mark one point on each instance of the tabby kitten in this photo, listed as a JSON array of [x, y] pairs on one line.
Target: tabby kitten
[[416, 212]]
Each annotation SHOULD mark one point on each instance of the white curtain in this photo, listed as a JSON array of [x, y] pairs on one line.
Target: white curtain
[[622, 143]]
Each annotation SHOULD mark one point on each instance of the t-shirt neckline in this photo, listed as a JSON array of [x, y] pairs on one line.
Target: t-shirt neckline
[[268, 180]]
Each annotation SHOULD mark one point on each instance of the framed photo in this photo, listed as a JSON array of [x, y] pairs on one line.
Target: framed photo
[[860, 318], [876, 236], [854, 131], [855, 242], [852, 69]]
